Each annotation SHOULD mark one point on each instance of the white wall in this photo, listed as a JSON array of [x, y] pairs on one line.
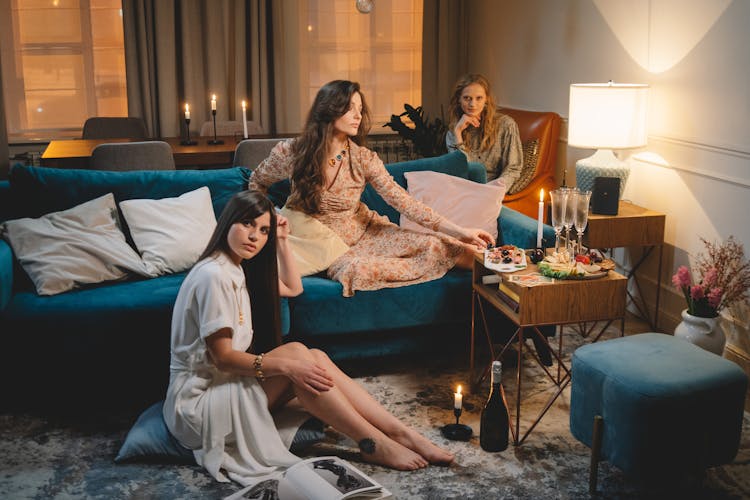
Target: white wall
[[694, 55]]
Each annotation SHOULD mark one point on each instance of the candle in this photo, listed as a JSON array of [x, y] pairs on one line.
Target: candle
[[457, 399], [213, 102], [540, 218], [187, 111], [244, 118]]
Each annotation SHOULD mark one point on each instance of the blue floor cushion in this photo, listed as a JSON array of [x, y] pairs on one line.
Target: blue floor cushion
[[150, 441]]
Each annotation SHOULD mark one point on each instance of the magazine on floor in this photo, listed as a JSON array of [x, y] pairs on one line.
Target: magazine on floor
[[317, 478]]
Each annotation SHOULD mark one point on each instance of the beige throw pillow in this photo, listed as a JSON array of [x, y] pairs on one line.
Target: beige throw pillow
[[463, 202], [171, 233], [81, 245], [315, 245]]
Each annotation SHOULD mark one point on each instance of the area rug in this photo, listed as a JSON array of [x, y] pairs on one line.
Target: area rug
[[73, 457]]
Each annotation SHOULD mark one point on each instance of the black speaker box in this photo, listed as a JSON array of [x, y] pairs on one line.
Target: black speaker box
[[605, 196]]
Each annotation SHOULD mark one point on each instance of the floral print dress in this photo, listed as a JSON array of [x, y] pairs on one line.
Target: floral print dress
[[381, 254]]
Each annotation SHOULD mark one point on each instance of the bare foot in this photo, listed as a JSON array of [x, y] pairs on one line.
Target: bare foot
[[394, 455], [426, 448]]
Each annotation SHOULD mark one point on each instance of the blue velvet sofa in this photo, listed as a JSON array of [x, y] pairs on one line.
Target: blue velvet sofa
[[111, 341]]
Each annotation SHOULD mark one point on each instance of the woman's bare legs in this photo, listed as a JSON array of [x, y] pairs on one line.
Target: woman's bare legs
[[334, 408], [378, 416]]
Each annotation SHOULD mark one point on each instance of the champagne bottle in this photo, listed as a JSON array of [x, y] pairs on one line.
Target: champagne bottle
[[494, 428]]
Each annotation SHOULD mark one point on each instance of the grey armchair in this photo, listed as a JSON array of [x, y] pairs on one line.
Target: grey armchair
[[250, 152], [119, 127], [149, 155]]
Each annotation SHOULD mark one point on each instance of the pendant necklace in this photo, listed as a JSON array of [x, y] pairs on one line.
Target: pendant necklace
[[238, 296], [340, 156]]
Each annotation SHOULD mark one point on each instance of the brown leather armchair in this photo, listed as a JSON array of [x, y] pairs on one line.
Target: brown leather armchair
[[544, 126]]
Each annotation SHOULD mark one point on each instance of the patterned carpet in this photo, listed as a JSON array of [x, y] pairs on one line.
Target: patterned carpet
[[73, 458]]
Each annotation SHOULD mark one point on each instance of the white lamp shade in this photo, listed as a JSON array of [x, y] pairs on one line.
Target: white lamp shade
[[607, 115]]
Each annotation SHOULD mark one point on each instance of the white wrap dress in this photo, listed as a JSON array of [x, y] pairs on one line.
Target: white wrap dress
[[223, 418]]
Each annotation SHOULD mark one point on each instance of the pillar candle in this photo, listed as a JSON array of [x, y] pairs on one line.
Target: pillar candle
[[244, 119], [457, 399], [540, 219], [187, 111], [213, 102]]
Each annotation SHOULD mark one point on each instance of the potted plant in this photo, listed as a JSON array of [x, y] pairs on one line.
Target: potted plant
[[428, 136], [724, 279]]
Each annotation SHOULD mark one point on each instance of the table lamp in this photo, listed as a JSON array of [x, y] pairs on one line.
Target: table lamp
[[606, 116]]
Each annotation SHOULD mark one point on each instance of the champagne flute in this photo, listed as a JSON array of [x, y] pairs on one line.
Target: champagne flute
[[582, 216], [569, 216], [559, 199]]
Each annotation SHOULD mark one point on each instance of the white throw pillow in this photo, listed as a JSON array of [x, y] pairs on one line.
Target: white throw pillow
[[463, 202], [81, 245], [315, 245], [171, 233]]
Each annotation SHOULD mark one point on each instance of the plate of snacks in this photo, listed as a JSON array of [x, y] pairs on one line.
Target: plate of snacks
[[505, 259], [581, 267]]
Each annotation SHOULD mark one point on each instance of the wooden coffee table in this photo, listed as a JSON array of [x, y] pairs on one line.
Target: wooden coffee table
[[559, 303]]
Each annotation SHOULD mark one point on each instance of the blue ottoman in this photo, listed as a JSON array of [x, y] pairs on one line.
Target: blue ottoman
[[667, 407]]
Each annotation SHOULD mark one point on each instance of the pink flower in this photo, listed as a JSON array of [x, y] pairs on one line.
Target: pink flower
[[682, 277], [714, 297], [710, 278], [696, 292]]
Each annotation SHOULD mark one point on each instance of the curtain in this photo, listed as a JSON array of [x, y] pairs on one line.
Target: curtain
[[184, 51], [4, 147], [444, 52]]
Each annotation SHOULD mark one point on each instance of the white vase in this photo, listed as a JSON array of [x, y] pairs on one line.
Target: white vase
[[703, 332]]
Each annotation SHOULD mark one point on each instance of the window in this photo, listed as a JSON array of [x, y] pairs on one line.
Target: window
[[381, 50], [63, 61]]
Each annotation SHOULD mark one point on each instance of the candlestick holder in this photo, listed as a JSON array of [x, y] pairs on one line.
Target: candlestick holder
[[188, 142], [215, 141], [457, 432]]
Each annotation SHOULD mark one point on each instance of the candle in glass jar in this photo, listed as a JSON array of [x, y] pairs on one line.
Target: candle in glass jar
[[187, 111], [457, 399], [540, 219], [244, 119], [213, 102]]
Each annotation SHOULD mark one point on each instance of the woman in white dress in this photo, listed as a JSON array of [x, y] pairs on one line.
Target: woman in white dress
[[229, 370]]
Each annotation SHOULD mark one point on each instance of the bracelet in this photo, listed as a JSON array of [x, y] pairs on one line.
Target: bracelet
[[258, 365]]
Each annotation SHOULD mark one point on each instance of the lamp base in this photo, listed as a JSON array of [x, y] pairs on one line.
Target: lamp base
[[215, 142], [188, 143], [457, 432], [603, 163]]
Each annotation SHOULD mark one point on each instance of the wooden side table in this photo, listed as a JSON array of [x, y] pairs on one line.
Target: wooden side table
[[633, 226], [559, 303]]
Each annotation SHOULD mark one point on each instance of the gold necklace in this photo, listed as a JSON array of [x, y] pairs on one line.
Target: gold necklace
[[238, 297], [339, 157]]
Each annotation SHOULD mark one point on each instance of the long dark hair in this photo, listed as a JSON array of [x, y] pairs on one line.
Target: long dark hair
[[482, 138], [261, 272], [310, 148]]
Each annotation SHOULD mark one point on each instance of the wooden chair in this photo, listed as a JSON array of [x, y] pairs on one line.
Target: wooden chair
[[150, 155], [114, 127], [229, 128], [250, 152], [544, 127]]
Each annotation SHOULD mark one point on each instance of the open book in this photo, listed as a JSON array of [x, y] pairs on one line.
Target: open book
[[317, 478]]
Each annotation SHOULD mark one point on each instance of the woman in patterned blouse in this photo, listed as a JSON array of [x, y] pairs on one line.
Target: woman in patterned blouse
[[329, 169], [484, 135]]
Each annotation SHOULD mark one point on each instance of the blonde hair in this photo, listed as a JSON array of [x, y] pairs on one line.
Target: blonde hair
[[483, 137]]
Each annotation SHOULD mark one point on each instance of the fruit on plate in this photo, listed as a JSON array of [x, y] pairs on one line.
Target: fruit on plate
[[559, 266], [506, 254]]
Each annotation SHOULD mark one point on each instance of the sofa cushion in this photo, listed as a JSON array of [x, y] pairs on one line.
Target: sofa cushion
[[451, 164], [321, 310], [461, 201], [40, 190], [170, 233], [77, 246]]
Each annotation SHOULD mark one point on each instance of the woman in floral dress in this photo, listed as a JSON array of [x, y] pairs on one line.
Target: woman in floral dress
[[329, 170]]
